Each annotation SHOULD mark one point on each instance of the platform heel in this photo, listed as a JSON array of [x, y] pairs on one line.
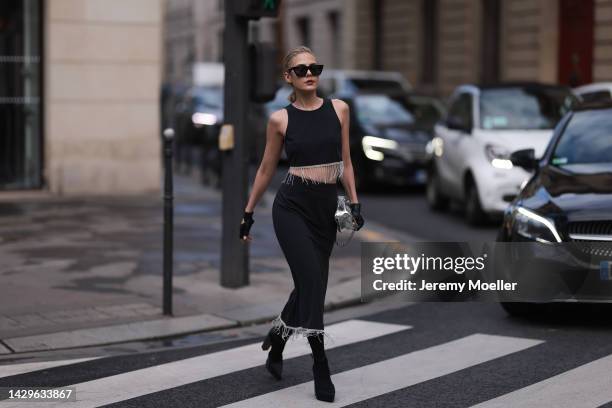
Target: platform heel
[[323, 385], [274, 362]]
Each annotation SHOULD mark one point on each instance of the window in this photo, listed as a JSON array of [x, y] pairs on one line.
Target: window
[[426, 111], [21, 158], [461, 109], [523, 108], [491, 12], [380, 110], [587, 139], [430, 42], [303, 25], [208, 97], [379, 85], [597, 96], [377, 35], [333, 19]]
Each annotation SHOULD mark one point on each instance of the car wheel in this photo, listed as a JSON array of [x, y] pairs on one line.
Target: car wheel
[[435, 199], [523, 309], [474, 214]]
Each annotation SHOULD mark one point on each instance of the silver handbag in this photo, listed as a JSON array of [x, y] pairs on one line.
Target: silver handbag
[[344, 219]]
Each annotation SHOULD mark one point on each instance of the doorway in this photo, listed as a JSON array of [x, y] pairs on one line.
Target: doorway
[[576, 38], [489, 58], [20, 95]]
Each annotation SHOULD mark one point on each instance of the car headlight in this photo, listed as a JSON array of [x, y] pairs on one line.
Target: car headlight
[[435, 147], [533, 226], [498, 156], [373, 145], [201, 118]]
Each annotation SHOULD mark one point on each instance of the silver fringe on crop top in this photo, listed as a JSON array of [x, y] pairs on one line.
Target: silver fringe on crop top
[[316, 173]]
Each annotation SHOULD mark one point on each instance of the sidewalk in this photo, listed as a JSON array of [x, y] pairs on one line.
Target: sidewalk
[[88, 271]]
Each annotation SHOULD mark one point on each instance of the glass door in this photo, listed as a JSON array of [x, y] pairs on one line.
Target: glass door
[[20, 96]]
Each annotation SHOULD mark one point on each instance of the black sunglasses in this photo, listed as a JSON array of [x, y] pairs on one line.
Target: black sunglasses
[[301, 69]]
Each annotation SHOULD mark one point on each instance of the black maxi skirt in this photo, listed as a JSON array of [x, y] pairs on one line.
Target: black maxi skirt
[[303, 218]]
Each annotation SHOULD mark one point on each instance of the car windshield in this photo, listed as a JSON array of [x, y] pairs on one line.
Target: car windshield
[[587, 139], [381, 110], [425, 110], [209, 96], [523, 107], [596, 96], [371, 84]]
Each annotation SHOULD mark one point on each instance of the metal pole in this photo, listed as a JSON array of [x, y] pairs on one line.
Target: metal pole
[[168, 220], [235, 254]]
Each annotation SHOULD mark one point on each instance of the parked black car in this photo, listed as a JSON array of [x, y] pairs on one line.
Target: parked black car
[[567, 203], [199, 117], [388, 136]]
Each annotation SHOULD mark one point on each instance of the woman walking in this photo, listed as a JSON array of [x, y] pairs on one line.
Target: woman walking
[[315, 133]]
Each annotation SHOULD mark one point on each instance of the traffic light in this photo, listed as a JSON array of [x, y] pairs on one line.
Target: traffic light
[[254, 9], [264, 72]]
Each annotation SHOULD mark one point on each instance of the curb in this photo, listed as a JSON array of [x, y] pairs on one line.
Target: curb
[[156, 329]]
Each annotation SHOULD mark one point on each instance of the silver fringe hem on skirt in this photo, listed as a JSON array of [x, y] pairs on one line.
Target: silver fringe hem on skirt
[[288, 332]]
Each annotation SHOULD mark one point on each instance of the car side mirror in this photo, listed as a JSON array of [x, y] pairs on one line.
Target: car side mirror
[[456, 123], [524, 158]]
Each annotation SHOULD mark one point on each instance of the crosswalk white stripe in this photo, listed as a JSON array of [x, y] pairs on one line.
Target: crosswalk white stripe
[[15, 369], [589, 385], [170, 375], [399, 372]]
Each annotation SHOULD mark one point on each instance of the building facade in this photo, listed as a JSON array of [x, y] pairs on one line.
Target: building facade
[[194, 33], [79, 96], [439, 44], [326, 26]]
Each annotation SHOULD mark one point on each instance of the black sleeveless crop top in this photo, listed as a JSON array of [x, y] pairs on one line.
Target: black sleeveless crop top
[[313, 144]]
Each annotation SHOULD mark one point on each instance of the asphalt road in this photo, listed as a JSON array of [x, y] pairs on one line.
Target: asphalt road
[[421, 355], [406, 209]]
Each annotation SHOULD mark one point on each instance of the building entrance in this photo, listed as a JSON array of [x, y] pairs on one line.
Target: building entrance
[[576, 25], [20, 95]]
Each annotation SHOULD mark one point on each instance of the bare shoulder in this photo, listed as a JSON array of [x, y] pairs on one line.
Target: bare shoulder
[[278, 120], [278, 117], [341, 109], [340, 105]]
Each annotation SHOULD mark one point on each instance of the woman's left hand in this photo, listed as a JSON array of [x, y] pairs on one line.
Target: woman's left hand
[[356, 211]]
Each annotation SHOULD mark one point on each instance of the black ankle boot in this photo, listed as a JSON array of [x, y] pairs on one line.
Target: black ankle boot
[[274, 362], [323, 385]]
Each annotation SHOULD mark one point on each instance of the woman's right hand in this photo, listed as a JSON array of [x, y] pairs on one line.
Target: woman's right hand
[[245, 226]]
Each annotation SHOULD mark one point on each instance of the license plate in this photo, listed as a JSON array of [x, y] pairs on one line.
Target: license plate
[[605, 270]]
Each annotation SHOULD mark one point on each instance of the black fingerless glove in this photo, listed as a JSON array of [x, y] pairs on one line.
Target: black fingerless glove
[[356, 211], [246, 223]]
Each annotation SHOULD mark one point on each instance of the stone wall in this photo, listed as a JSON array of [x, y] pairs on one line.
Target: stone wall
[[102, 73], [602, 64]]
